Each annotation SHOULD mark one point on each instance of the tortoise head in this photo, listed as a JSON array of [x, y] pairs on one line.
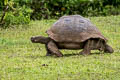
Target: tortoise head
[[108, 49], [40, 39]]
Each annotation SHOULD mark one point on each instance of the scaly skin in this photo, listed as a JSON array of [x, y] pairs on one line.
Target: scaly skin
[[53, 47]]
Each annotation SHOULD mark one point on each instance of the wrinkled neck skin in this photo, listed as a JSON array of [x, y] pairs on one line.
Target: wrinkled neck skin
[[40, 39], [45, 40]]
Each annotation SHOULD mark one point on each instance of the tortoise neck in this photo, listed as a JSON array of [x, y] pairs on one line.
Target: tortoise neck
[[45, 40]]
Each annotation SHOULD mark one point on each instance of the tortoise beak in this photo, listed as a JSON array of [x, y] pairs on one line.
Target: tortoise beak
[[32, 39]]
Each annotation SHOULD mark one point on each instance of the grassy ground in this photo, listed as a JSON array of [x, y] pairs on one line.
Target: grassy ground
[[22, 60]]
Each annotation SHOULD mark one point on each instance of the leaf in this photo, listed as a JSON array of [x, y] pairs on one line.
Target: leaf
[[5, 2]]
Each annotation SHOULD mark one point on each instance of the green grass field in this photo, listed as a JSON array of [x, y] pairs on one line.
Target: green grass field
[[22, 60]]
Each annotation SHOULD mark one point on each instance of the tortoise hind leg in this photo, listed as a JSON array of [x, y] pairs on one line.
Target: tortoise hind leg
[[87, 48], [53, 49], [108, 49]]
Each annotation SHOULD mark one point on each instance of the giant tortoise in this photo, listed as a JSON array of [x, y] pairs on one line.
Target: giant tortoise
[[73, 32]]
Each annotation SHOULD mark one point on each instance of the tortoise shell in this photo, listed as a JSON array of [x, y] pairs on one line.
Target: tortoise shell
[[74, 28]]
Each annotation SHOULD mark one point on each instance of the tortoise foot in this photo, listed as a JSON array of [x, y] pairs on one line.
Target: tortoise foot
[[59, 55], [49, 54]]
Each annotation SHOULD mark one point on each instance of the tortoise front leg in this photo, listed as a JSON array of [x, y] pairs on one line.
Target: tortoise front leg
[[87, 48], [49, 53], [53, 49]]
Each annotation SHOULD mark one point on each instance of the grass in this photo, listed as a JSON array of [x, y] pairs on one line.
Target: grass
[[22, 60]]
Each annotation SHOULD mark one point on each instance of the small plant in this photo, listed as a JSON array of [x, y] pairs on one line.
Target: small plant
[[20, 15], [15, 14]]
